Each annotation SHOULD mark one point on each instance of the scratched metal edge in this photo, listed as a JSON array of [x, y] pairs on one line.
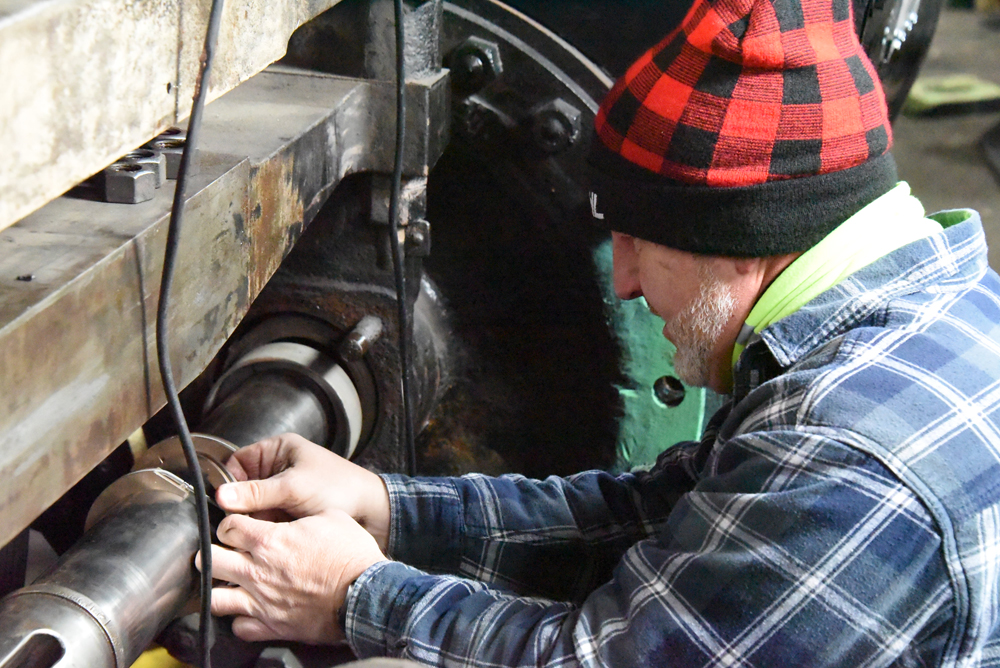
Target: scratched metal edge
[[86, 352], [61, 122]]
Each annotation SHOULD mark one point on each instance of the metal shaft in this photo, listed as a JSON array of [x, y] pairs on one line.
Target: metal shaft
[[109, 596], [265, 406]]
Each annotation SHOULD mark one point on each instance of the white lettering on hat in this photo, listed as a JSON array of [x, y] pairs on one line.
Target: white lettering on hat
[[593, 207]]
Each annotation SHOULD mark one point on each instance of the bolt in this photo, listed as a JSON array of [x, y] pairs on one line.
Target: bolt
[[357, 344], [418, 238], [556, 125], [669, 391], [552, 130], [129, 183], [474, 117], [474, 64], [473, 71]]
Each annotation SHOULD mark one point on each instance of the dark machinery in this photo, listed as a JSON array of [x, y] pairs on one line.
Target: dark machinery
[[284, 318]]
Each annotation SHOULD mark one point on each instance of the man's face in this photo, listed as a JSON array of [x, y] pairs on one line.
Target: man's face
[[696, 305]]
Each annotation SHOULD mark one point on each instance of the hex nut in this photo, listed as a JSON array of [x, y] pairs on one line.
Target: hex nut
[[172, 133], [129, 183], [474, 63], [155, 160], [172, 148], [556, 125]]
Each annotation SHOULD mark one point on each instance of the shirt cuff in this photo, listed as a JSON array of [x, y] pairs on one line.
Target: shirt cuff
[[377, 607], [426, 522]]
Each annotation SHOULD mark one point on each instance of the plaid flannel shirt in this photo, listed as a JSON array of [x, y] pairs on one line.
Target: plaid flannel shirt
[[842, 510]]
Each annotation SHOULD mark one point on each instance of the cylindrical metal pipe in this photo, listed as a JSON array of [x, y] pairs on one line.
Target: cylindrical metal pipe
[[266, 405], [110, 595]]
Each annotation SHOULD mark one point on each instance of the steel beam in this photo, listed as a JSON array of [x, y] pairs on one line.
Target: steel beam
[[85, 81], [77, 347]]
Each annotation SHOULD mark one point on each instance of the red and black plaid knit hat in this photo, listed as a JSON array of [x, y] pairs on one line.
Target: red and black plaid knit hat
[[754, 129]]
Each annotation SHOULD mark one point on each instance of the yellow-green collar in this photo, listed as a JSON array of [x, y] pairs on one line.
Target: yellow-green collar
[[890, 222]]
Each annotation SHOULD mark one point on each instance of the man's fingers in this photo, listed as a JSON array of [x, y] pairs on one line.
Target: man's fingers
[[273, 515], [244, 533], [246, 463], [230, 601], [264, 458], [236, 469], [228, 565]]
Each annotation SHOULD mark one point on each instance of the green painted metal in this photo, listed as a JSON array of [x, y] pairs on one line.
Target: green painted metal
[[647, 427]]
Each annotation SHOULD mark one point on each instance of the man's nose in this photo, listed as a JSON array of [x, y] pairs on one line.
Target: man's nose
[[626, 266]]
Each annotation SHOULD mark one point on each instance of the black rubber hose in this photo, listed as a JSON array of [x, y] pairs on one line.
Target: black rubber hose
[[205, 629], [396, 243]]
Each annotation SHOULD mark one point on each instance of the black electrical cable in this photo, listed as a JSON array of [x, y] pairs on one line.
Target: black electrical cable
[[396, 243], [205, 629]]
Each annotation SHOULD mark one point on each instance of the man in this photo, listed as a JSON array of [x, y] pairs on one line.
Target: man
[[842, 509]]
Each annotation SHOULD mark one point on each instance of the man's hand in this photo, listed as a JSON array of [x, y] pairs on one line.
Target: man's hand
[[287, 477], [290, 579]]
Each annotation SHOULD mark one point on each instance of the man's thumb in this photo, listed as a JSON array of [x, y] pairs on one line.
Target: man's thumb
[[250, 497]]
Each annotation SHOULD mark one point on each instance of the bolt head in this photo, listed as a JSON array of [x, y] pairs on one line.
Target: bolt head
[[474, 63], [471, 72], [553, 132], [669, 391], [418, 238], [556, 125]]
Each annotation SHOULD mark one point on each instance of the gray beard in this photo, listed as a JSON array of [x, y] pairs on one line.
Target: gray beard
[[695, 331]]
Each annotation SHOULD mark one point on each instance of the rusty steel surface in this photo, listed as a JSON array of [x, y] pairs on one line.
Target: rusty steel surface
[[79, 278], [85, 81]]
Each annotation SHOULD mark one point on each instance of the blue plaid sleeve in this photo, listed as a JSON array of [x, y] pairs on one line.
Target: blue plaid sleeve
[[557, 538], [793, 549]]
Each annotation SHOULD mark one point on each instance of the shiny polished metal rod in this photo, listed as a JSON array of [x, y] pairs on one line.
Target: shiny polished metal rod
[[111, 594]]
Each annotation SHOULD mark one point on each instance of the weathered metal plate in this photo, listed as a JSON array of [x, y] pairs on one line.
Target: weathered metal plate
[[77, 344], [85, 81]]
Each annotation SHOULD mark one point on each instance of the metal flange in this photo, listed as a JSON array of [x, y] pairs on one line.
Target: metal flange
[[213, 452], [326, 380]]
